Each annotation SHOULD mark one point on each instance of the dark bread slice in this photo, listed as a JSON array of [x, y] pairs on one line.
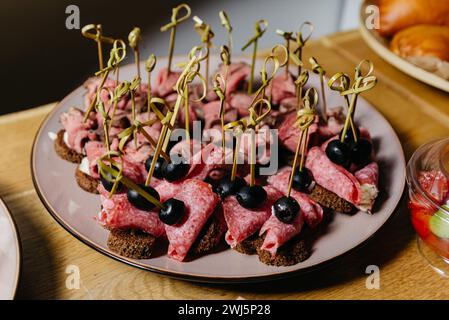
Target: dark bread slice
[[209, 238], [330, 200], [249, 245], [86, 182], [291, 253], [64, 151], [131, 243]]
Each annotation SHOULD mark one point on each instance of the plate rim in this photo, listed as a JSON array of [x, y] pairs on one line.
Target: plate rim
[[18, 242], [396, 61], [195, 277]]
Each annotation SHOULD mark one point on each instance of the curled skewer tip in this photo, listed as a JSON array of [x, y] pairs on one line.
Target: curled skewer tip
[[150, 63], [224, 19], [175, 19], [285, 52], [225, 55], [134, 37]]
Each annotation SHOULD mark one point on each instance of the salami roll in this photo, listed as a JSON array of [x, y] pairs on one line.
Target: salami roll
[[242, 222], [200, 202], [333, 177], [368, 178], [368, 174], [209, 159], [278, 233], [118, 213], [166, 189], [95, 149], [312, 212], [289, 133]]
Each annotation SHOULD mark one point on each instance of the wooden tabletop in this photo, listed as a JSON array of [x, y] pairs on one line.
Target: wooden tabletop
[[418, 113]]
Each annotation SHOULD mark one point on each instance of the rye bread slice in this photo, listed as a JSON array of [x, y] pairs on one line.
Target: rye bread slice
[[86, 182], [209, 238], [291, 253], [249, 246], [330, 200], [131, 243], [64, 151]]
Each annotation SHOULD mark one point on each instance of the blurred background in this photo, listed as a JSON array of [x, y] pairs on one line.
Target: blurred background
[[42, 61]]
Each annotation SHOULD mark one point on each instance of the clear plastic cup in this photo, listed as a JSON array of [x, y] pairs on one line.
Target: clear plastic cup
[[428, 182]]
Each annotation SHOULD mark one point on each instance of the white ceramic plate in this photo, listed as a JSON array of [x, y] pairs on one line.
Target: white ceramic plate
[[9, 254], [381, 47], [75, 209]]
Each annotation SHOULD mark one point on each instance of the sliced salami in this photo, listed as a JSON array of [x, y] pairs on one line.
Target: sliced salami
[[118, 213], [243, 222], [209, 160], [333, 177], [200, 202], [289, 132], [369, 174], [312, 211], [278, 233], [368, 178], [166, 189]]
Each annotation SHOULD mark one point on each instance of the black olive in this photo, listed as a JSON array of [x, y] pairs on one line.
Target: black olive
[[227, 187], [302, 180], [251, 196], [158, 168], [338, 152], [176, 171], [108, 183], [172, 212], [286, 209], [361, 151], [349, 136], [140, 202]]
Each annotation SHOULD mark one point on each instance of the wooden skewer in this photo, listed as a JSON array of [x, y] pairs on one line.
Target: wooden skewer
[[175, 20], [206, 35], [98, 37], [134, 38], [227, 25], [301, 40], [260, 28]]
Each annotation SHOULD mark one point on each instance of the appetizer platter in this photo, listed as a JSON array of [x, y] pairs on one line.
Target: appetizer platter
[[212, 167], [10, 254], [413, 37]]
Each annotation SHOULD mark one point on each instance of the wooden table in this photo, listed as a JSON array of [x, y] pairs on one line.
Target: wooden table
[[417, 112]]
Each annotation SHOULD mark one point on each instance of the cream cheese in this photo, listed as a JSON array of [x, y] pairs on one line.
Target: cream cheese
[[84, 166], [369, 194]]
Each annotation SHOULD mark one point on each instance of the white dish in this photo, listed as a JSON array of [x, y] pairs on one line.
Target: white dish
[[75, 209], [9, 254]]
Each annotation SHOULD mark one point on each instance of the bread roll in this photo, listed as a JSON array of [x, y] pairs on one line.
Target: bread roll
[[422, 41], [396, 15]]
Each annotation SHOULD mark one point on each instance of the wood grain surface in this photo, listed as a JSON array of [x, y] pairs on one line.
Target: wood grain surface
[[418, 113]]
